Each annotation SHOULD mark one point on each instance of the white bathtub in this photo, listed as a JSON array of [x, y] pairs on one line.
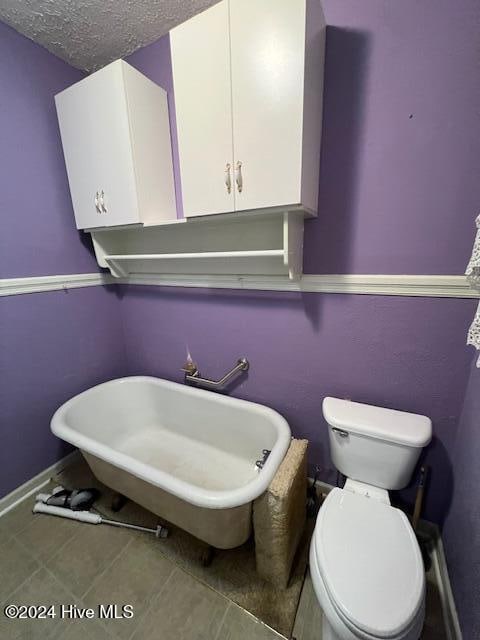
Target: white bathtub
[[186, 454]]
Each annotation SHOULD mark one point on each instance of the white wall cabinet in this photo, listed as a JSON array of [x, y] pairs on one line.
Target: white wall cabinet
[[116, 140], [203, 109], [248, 81]]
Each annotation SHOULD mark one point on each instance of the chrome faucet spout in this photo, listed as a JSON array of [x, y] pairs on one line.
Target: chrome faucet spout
[[190, 369]]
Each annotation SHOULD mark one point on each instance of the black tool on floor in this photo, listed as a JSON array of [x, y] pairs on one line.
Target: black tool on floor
[[76, 499]]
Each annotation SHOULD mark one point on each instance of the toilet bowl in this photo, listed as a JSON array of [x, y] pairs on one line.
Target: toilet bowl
[[365, 562]]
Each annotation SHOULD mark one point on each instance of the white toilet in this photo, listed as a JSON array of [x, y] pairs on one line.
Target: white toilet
[[365, 562]]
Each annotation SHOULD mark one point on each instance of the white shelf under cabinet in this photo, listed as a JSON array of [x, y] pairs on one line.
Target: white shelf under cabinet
[[271, 244], [145, 261]]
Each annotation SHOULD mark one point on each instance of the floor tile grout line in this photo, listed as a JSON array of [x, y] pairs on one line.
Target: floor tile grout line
[[43, 565], [75, 599], [27, 550], [105, 569], [262, 622], [152, 602], [97, 579], [305, 604], [22, 584], [304, 580], [217, 635], [42, 562], [179, 569], [72, 537], [80, 599]]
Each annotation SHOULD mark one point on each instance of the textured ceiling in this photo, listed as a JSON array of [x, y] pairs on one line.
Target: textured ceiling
[[89, 34]]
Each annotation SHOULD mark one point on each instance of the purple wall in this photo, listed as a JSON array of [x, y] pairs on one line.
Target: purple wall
[[52, 345], [462, 527], [38, 231], [405, 353], [399, 184]]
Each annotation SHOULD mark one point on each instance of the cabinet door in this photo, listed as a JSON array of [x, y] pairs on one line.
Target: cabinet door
[[95, 134], [267, 53], [201, 76]]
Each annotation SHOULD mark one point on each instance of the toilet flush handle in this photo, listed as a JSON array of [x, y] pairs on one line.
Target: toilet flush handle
[[341, 432]]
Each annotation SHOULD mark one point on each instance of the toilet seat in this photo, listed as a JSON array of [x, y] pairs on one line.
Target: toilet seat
[[335, 627], [370, 565]]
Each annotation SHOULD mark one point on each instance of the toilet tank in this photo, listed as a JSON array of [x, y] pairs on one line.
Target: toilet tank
[[375, 445]]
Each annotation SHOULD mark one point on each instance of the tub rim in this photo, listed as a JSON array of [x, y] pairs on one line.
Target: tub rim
[[212, 499]]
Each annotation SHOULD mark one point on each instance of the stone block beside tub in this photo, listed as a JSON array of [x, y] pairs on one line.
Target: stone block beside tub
[[279, 517]]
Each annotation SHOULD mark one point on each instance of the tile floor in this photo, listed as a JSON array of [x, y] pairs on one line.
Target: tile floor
[[46, 560], [232, 574]]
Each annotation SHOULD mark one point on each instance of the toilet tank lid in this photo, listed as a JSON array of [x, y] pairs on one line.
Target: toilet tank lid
[[390, 425]]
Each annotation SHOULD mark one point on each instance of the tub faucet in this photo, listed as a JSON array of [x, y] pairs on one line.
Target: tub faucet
[[192, 375], [190, 369]]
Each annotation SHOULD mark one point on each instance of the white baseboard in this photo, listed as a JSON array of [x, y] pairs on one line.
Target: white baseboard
[[450, 614], [21, 493]]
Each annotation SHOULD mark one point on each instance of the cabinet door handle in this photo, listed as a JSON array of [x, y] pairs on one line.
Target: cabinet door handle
[[102, 202], [228, 177], [97, 203], [238, 177]]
